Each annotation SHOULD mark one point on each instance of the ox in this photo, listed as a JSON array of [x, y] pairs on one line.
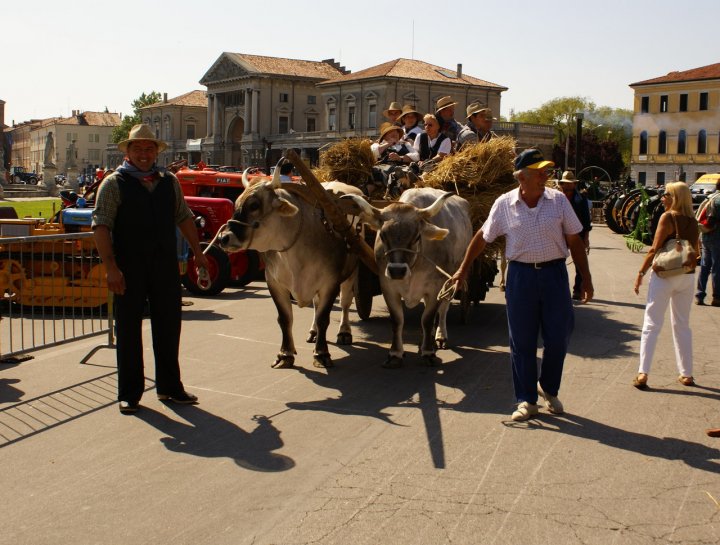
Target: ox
[[304, 258], [424, 229]]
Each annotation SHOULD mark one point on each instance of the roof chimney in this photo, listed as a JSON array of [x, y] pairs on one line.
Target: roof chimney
[[459, 71], [165, 98]]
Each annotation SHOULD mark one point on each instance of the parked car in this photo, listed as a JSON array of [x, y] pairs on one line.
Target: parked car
[[703, 186]]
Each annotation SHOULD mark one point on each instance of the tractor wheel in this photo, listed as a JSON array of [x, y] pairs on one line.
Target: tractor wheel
[[245, 267], [12, 276], [33, 181], [218, 271]]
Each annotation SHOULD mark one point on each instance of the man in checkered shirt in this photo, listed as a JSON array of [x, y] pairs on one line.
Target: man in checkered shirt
[[539, 226]]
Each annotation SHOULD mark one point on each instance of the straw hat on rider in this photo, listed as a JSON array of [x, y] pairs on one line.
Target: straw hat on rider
[[444, 102], [389, 127], [394, 107], [141, 132], [409, 109], [477, 108], [567, 177]]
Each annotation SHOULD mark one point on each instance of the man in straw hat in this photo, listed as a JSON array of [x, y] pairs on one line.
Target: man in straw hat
[[138, 208], [393, 112], [581, 206], [478, 127], [539, 226], [445, 113], [410, 120]]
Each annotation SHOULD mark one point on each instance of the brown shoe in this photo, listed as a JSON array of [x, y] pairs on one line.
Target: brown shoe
[[686, 381], [715, 302], [640, 381], [713, 432]]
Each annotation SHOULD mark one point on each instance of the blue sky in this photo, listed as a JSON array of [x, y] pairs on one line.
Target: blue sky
[[88, 55]]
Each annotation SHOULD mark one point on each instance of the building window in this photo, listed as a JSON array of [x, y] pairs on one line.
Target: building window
[[703, 101], [283, 124], [372, 116], [702, 141], [644, 105], [331, 119], [311, 99], [682, 137], [643, 143], [310, 124], [190, 132], [642, 177], [662, 143], [683, 102], [663, 104], [93, 155], [351, 117], [284, 97], [235, 99], [90, 137], [660, 178]]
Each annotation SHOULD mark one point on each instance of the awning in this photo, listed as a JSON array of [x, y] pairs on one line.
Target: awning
[[194, 145]]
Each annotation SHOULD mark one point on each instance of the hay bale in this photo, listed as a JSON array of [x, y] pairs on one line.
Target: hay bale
[[349, 161]]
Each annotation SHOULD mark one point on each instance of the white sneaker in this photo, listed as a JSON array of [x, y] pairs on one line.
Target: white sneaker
[[524, 411], [553, 404]]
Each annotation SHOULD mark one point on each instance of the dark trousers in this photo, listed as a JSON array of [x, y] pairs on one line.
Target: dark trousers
[[538, 302], [156, 281]]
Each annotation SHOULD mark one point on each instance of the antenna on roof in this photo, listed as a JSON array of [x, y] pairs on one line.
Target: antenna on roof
[[412, 52]]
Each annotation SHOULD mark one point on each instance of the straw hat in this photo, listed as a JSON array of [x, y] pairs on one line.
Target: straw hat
[[409, 109], [567, 177], [388, 127], [141, 132], [477, 108], [444, 102], [394, 107]]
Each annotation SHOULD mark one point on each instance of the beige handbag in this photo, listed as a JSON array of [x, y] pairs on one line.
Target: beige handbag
[[676, 251]]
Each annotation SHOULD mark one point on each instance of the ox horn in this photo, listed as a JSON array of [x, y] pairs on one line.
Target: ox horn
[[245, 180], [435, 207], [276, 174]]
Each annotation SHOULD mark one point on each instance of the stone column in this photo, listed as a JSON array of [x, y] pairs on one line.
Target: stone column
[[216, 117], [254, 118], [72, 178], [248, 111], [211, 103]]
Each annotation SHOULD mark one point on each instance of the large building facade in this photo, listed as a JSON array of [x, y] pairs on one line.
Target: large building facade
[[259, 106], [676, 126]]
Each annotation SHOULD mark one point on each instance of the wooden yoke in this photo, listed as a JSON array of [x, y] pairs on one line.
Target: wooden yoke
[[333, 212]]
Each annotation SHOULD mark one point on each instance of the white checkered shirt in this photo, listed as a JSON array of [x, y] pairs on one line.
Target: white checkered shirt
[[533, 235]]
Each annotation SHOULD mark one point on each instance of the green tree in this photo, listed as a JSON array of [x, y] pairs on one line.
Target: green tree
[[606, 131], [122, 131]]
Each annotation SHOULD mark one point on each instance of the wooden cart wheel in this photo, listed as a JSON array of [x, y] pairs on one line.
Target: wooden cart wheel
[[12, 276]]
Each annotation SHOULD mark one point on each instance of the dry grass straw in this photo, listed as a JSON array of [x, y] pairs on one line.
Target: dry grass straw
[[349, 161]]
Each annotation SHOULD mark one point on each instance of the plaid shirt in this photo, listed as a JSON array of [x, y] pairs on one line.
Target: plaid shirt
[[533, 235], [108, 200]]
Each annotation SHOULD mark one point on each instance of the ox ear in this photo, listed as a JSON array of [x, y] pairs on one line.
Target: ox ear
[[435, 207], [433, 232], [284, 208], [365, 211]]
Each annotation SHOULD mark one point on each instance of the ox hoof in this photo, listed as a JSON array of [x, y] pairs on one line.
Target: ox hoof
[[284, 361], [312, 337], [392, 362], [344, 338], [431, 360], [322, 360], [441, 344]]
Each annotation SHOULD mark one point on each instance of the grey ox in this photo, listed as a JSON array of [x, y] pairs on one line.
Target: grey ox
[[304, 258], [426, 228]]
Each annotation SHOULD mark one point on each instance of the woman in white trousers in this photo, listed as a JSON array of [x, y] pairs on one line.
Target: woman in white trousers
[[678, 221]]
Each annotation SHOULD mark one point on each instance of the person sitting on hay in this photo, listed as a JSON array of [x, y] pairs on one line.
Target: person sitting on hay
[[431, 145], [393, 156]]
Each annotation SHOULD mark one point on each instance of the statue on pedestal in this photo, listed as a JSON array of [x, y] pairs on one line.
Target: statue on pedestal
[[71, 158], [49, 150]]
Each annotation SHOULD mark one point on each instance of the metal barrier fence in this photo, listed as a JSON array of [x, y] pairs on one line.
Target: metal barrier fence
[[53, 290]]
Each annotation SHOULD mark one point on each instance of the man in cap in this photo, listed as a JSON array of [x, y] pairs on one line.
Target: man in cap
[[137, 210], [539, 226], [478, 127], [393, 113], [581, 206], [445, 113]]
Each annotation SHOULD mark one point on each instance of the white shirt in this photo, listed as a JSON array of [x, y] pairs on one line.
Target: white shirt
[[445, 147], [375, 148], [532, 235]]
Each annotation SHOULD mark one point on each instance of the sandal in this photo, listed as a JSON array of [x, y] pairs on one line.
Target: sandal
[[640, 381], [686, 381]]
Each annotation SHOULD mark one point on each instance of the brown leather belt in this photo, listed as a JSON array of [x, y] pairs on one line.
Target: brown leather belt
[[541, 265]]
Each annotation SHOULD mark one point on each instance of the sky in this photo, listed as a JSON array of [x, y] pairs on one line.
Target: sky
[[92, 54]]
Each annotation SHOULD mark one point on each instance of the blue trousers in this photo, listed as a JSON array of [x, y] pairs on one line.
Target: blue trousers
[[709, 268], [538, 303]]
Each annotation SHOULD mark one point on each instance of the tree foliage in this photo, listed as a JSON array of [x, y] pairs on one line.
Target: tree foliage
[[122, 131], [606, 136]]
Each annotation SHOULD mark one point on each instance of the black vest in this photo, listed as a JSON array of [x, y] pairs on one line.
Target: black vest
[[144, 227], [404, 150], [426, 152]]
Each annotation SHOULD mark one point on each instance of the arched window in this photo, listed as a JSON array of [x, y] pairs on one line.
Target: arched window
[[643, 143], [662, 143], [702, 141], [682, 138]]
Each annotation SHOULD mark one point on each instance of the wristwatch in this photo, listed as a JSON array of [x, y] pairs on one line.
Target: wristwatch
[[641, 273]]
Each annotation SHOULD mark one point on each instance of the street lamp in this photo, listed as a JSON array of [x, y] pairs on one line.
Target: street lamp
[[578, 140]]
